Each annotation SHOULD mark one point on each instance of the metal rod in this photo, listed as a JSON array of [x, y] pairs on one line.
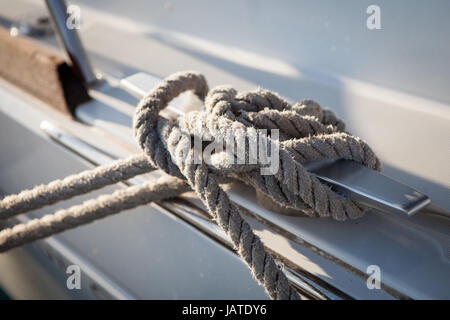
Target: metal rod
[[71, 42]]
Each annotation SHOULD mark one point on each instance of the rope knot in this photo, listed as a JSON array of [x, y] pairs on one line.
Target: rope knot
[[304, 132]]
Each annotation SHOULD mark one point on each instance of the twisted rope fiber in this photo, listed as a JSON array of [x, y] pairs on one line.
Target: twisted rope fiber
[[74, 185], [307, 132], [90, 210]]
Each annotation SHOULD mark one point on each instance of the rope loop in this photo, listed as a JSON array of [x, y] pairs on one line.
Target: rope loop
[[306, 133]]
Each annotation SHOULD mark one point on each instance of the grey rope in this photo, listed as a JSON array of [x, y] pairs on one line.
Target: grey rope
[[90, 210], [303, 138], [74, 185], [307, 132]]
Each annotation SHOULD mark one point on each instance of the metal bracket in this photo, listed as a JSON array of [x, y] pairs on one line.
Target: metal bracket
[[369, 187]]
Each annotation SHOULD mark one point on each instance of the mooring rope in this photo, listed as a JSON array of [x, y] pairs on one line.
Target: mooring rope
[[306, 132]]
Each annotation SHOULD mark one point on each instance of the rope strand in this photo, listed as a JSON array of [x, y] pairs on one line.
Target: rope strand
[[90, 210], [74, 185]]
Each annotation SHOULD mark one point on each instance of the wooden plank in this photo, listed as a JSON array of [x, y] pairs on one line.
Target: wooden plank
[[41, 73]]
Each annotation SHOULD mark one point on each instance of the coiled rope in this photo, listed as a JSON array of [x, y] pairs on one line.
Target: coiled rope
[[307, 132]]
